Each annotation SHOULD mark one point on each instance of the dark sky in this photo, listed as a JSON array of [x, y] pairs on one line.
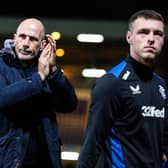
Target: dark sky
[[88, 9]]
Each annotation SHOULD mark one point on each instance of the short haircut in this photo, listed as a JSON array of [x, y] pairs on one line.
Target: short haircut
[[147, 14]]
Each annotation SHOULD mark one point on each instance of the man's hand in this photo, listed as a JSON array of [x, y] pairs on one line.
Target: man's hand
[[47, 60]]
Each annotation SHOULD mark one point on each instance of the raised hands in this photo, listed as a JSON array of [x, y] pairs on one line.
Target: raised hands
[[47, 59]]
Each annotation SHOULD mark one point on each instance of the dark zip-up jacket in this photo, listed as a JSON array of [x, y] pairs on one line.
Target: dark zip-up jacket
[[26, 104], [127, 124]]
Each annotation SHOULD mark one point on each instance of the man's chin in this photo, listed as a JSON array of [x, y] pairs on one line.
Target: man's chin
[[25, 57]]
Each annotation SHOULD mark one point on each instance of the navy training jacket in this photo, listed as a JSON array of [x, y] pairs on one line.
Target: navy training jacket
[[128, 119]]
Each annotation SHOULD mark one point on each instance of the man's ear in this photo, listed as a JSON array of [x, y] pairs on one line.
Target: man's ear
[[14, 37], [129, 37]]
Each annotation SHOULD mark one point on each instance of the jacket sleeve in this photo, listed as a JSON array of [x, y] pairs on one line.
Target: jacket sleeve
[[13, 93], [64, 96], [20, 90], [101, 118], [165, 138]]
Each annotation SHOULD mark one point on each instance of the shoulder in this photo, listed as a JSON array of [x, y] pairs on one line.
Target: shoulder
[[105, 85], [112, 79], [4, 59], [2, 55], [118, 69], [159, 78]]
